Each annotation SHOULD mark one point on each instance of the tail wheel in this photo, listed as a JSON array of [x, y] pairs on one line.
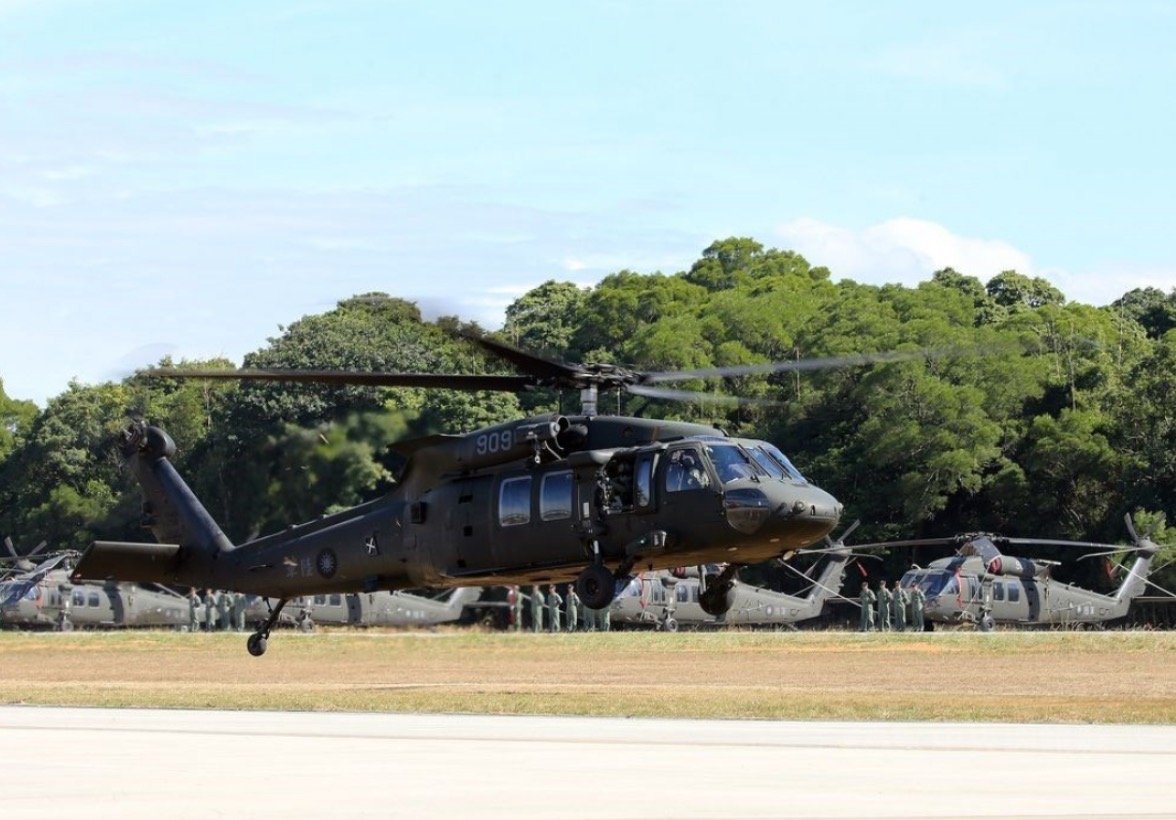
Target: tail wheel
[[596, 586]]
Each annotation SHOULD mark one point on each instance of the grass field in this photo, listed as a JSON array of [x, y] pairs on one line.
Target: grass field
[[1119, 677]]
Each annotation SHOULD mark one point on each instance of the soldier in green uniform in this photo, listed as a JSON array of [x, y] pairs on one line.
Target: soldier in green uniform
[[536, 609], [239, 604], [516, 608], [883, 607], [209, 610], [898, 608], [604, 619], [587, 618], [224, 610], [554, 603], [867, 600], [918, 600], [193, 611], [573, 605]]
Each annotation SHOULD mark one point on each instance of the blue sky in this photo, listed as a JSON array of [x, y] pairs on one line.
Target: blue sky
[[184, 178]]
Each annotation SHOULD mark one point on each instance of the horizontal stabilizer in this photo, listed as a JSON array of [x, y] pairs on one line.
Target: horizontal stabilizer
[[128, 561]]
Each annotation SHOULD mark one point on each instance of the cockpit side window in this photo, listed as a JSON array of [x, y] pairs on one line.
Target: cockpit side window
[[643, 481], [685, 471]]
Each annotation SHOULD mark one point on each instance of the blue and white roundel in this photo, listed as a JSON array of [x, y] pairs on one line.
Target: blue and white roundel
[[326, 563]]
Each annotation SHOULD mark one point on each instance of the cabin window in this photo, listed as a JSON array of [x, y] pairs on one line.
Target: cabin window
[[514, 501], [682, 593], [555, 496], [320, 599], [79, 598], [685, 471], [998, 591], [336, 600], [643, 481], [1014, 592], [93, 599]]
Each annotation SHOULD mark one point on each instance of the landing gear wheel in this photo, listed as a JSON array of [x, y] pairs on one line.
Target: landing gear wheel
[[670, 625], [717, 600], [596, 586], [257, 641], [985, 624], [256, 644]]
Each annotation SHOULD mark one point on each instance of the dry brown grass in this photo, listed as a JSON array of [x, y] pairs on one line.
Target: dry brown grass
[[1042, 677]]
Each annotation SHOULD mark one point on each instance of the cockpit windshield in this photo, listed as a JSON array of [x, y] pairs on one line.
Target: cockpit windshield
[[731, 463], [776, 463], [932, 583]]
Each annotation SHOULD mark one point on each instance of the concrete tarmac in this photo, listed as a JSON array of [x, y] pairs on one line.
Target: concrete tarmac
[[97, 763]]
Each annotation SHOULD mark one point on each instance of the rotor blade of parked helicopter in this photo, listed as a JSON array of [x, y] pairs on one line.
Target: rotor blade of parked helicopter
[[701, 398], [538, 366], [841, 539], [1105, 553], [912, 542], [1131, 527], [37, 549], [459, 381], [8, 546], [1164, 590], [824, 363], [1053, 542]]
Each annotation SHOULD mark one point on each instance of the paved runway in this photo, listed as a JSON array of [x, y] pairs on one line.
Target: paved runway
[[152, 763]]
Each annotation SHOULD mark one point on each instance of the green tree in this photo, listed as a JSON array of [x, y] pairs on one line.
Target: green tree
[[16, 418], [1015, 290], [543, 319]]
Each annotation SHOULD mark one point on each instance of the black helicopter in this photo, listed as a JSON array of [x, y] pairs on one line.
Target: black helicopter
[[547, 499]]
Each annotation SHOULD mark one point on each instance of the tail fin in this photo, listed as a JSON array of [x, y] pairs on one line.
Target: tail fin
[[828, 582], [170, 510], [460, 597], [1135, 583]]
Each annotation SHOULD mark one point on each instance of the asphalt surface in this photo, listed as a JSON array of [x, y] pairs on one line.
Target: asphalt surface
[[156, 763]]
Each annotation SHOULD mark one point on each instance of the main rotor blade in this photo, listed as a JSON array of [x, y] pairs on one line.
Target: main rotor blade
[[37, 549], [825, 363], [8, 546], [460, 381], [538, 366], [691, 395]]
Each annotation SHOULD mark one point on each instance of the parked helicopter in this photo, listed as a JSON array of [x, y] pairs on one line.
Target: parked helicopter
[[381, 608], [670, 599], [46, 596], [548, 499], [981, 586]]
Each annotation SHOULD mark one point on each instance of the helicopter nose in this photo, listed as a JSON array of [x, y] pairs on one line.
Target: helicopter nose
[[816, 505], [809, 513]]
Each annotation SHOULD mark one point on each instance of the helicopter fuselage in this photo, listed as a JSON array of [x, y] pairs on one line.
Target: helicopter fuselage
[[530, 501]]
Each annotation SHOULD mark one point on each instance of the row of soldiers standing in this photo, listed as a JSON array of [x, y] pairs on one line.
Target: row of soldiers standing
[[216, 611], [553, 612], [899, 610]]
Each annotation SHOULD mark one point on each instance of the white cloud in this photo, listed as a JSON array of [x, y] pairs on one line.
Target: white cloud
[[908, 251], [902, 250]]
